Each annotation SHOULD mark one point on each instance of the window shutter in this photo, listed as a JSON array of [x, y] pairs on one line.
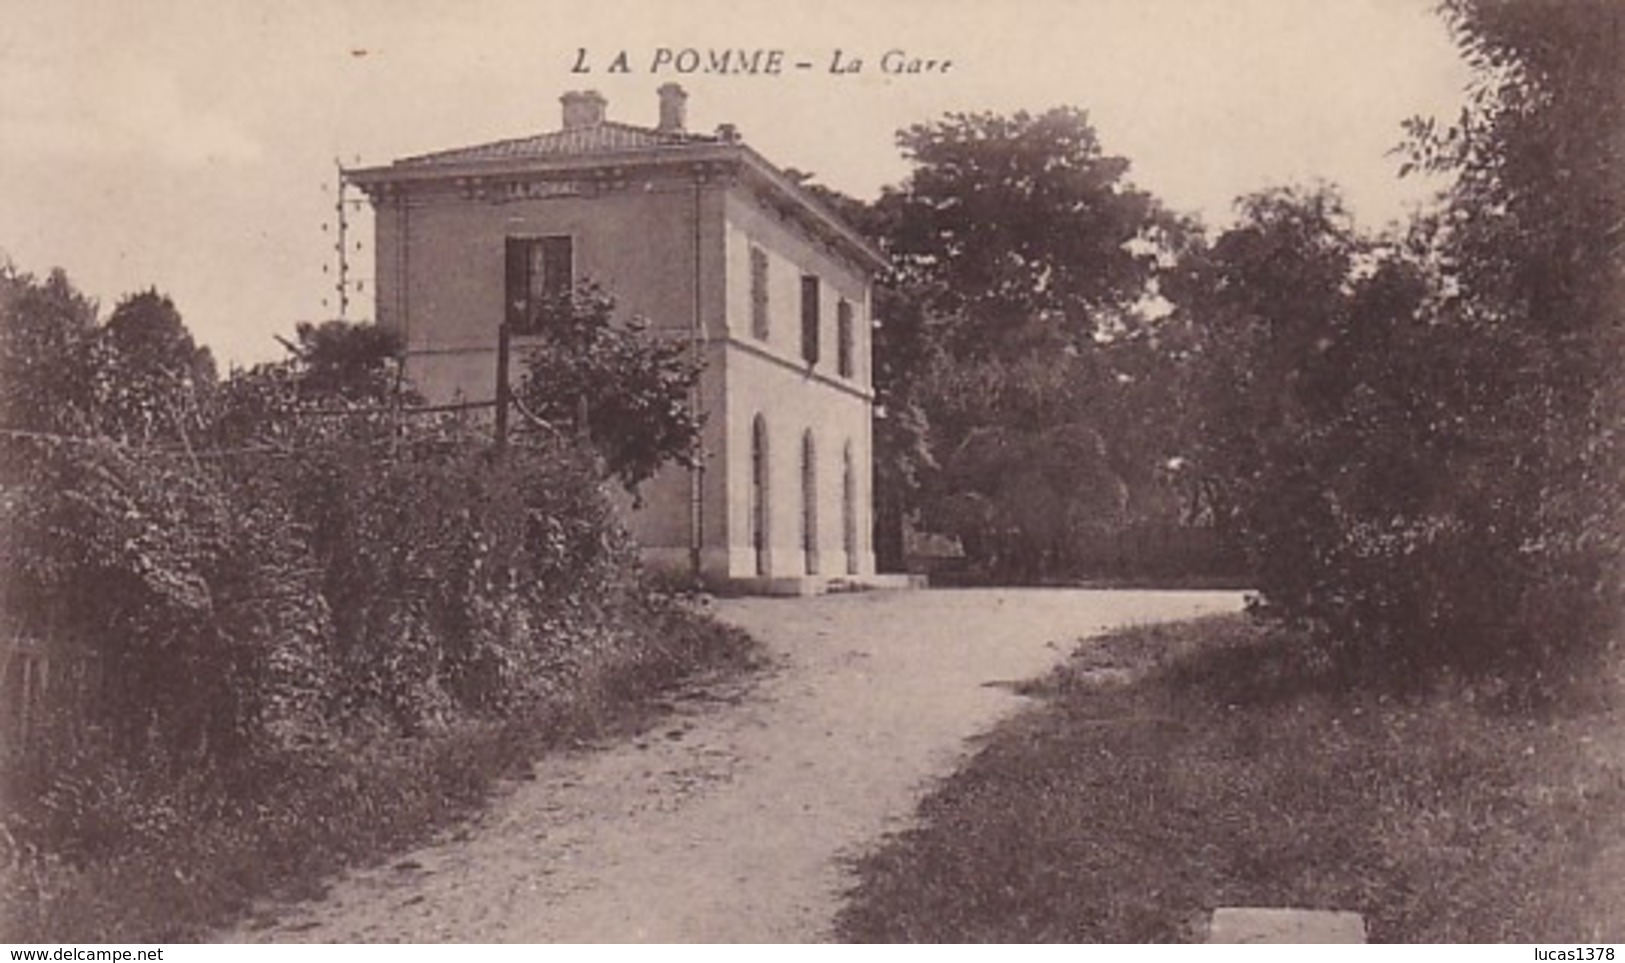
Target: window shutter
[[758, 293], [843, 338], [809, 318], [517, 283], [558, 267]]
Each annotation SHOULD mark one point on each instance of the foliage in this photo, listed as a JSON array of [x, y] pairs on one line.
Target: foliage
[[140, 853], [137, 378], [625, 389], [46, 336], [1025, 502], [1019, 231], [261, 575], [1312, 373], [1168, 770], [202, 619], [1024, 267], [341, 360], [459, 581], [1417, 436], [151, 381], [902, 457], [333, 369], [1532, 246]]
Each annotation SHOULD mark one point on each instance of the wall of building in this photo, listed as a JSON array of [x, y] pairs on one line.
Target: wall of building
[[441, 253], [441, 273], [662, 525], [792, 252], [441, 265], [770, 378], [790, 407]]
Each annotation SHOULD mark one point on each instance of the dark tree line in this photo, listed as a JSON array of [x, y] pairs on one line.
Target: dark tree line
[[1409, 442]]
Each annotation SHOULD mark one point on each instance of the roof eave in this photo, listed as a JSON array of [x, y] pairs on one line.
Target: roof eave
[[869, 255], [368, 178], [417, 173]]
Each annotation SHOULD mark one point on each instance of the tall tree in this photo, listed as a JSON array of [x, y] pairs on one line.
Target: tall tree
[[1021, 251], [1020, 230], [1316, 415], [1419, 436], [1533, 241], [46, 352], [152, 379]]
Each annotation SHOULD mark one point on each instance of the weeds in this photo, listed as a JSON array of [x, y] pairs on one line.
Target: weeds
[[156, 856], [1230, 769]]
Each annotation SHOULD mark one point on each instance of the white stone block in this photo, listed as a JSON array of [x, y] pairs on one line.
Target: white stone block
[[1254, 924]]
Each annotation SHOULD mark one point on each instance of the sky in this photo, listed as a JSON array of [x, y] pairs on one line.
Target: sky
[[191, 145]]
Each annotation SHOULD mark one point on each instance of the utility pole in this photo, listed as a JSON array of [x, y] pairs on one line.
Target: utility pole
[[342, 212], [342, 285], [504, 391]]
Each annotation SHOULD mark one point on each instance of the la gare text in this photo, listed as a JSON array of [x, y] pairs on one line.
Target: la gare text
[[762, 62]]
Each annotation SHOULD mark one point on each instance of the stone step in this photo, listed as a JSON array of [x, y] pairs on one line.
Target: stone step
[[1259, 924], [805, 585]]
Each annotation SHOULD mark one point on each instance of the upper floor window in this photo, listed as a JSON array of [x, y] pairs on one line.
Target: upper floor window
[[843, 338], [758, 293], [809, 318], [539, 269]]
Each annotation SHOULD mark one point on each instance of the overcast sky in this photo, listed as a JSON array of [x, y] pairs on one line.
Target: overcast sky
[[189, 144]]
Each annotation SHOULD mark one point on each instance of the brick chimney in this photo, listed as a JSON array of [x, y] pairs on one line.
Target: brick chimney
[[583, 108], [673, 109]]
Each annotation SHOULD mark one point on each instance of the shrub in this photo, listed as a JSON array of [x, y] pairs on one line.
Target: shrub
[[618, 385], [457, 578], [270, 582], [201, 615]]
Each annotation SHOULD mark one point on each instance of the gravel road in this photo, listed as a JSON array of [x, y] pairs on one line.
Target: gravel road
[[732, 819]]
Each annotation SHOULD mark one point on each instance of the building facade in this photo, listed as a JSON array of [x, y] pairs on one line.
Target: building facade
[[708, 241]]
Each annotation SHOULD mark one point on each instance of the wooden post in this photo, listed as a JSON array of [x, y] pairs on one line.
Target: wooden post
[[503, 390], [25, 702]]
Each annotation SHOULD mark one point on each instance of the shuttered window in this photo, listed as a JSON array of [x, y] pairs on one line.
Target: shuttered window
[[843, 338], [758, 293], [809, 318], [538, 269]]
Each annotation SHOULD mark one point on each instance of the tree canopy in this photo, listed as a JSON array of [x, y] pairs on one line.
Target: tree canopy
[[618, 384], [152, 379], [46, 329], [1025, 268], [1019, 230], [1416, 435]]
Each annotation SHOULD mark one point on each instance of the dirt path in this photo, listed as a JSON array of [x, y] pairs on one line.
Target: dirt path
[[729, 821]]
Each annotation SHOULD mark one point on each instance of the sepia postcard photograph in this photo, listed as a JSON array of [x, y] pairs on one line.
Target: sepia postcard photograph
[[811, 471]]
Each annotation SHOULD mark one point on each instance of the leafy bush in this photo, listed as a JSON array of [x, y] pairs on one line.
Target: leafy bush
[[457, 579], [620, 387], [1414, 434], [1027, 502], [269, 582], [201, 615]]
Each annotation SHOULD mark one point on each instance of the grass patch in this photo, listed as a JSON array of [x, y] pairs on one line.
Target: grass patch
[[178, 857], [1173, 769]]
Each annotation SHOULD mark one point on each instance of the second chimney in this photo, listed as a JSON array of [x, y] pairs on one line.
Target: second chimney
[[583, 108], [673, 109]]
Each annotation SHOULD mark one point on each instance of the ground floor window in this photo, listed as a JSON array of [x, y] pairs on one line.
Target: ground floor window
[[809, 502], [758, 493], [849, 510]]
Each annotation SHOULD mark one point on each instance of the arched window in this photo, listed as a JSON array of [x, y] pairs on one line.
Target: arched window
[[849, 510], [809, 502], [758, 493]]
